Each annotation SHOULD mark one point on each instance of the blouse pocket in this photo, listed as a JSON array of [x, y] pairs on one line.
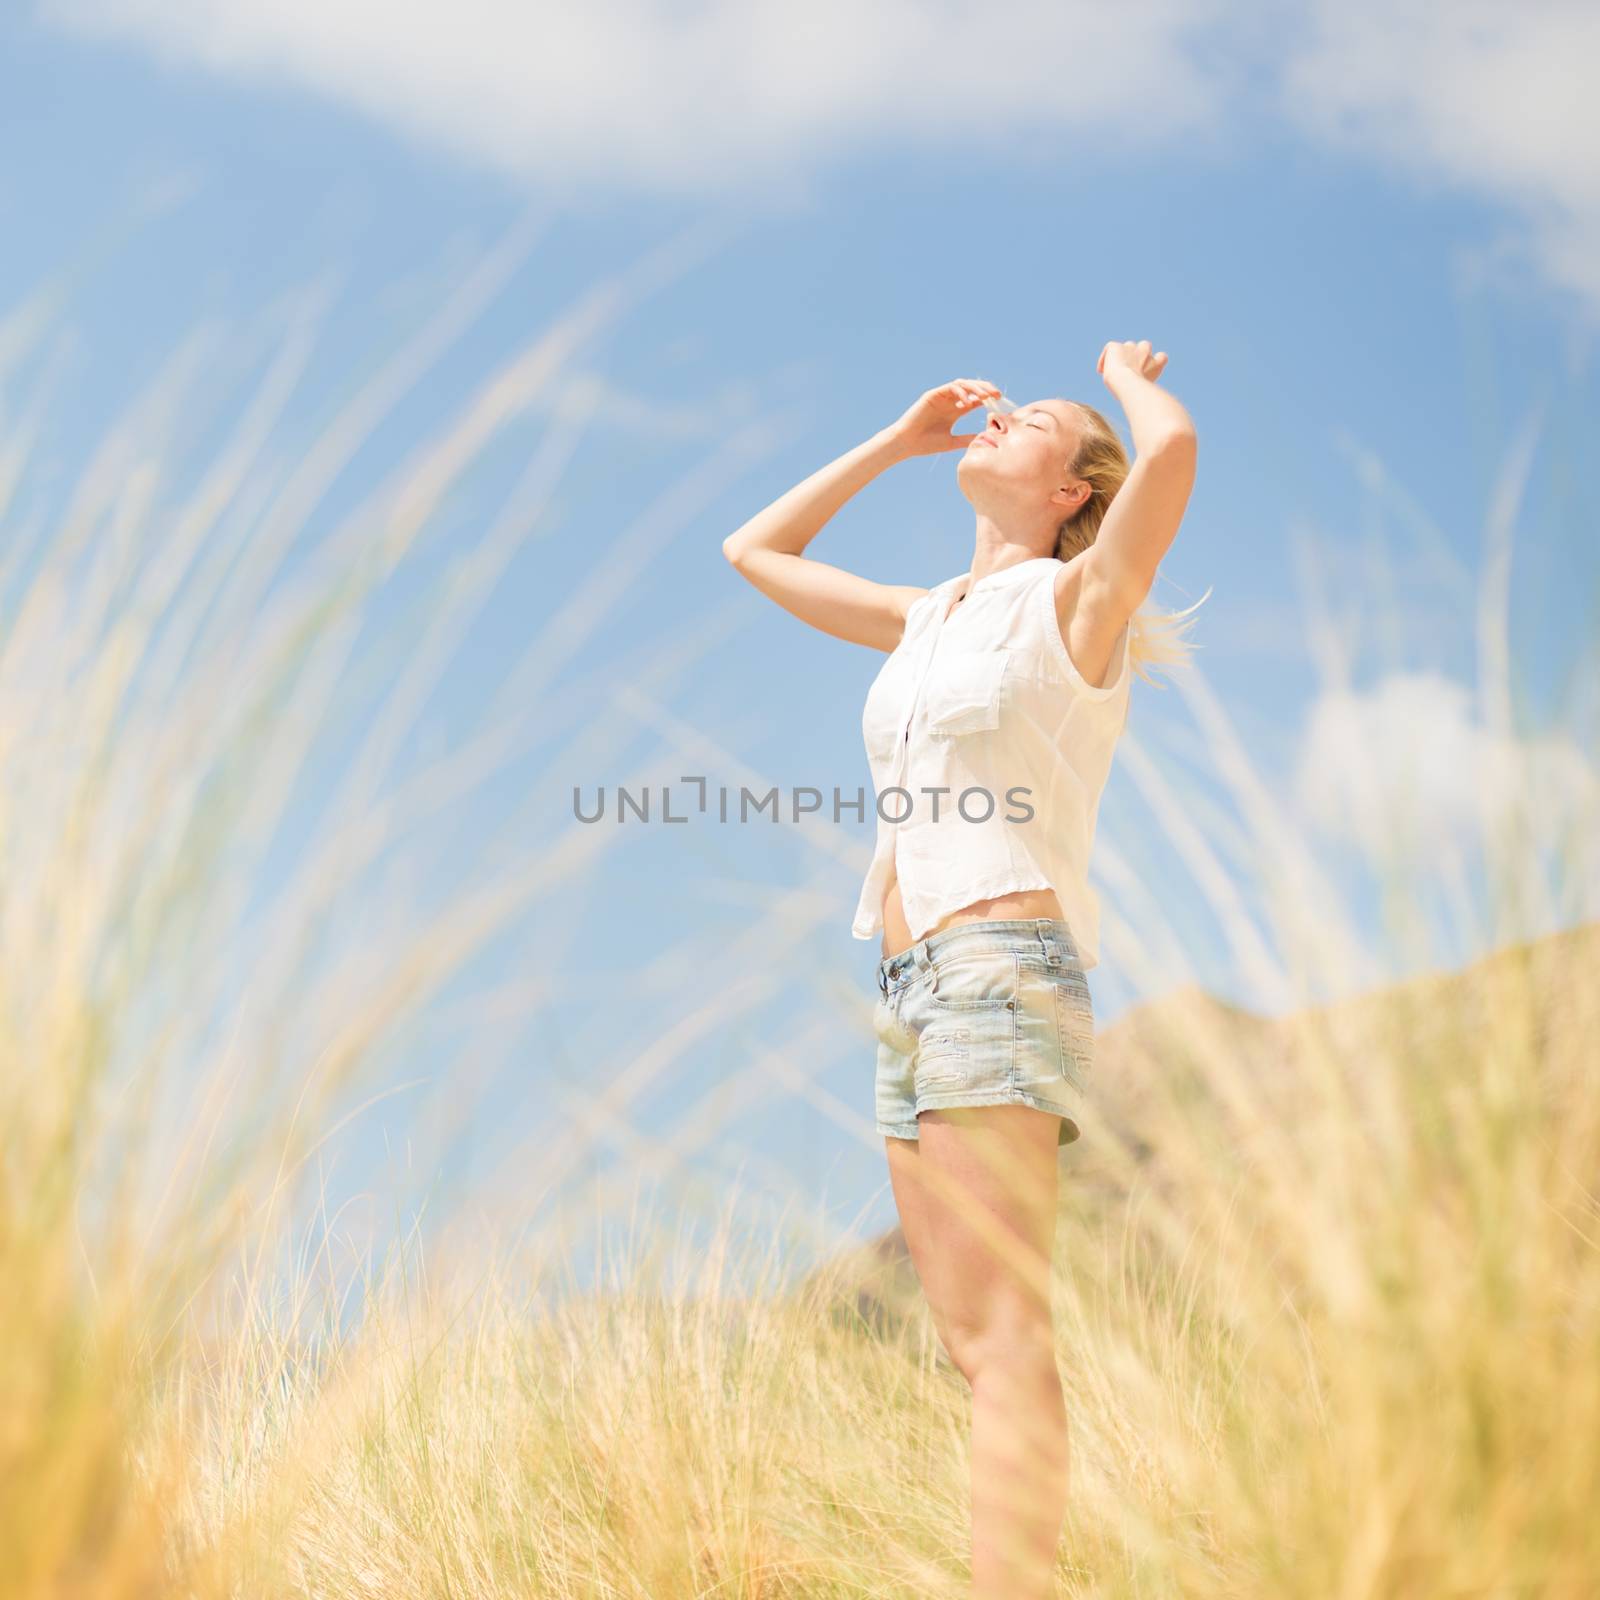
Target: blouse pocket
[[963, 693]]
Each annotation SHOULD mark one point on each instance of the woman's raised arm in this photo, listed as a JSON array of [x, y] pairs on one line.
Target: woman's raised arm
[[769, 548]]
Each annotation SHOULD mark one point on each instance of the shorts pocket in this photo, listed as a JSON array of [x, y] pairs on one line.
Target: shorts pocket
[[981, 981], [1074, 1022], [962, 693]]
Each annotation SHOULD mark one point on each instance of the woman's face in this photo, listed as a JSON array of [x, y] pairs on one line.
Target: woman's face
[[1019, 461]]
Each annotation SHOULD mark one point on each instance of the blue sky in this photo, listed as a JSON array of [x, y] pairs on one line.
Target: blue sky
[[1367, 235]]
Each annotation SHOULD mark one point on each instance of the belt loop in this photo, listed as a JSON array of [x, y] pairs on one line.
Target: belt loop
[[1048, 938]]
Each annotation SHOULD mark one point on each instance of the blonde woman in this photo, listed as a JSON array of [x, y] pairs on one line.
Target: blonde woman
[[990, 731]]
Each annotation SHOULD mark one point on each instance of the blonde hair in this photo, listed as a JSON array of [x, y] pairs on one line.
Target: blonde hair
[[1157, 637]]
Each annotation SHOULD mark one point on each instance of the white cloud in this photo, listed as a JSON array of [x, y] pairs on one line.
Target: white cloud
[[1405, 770], [723, 92], [1494, 98], [713, 95]]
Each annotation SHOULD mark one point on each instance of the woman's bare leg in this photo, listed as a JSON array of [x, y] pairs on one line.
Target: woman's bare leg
[[977, 1197]]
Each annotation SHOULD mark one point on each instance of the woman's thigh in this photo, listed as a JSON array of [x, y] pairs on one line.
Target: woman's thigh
[[977, 1195]]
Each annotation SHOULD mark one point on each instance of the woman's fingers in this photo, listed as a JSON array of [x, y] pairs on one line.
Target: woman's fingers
[[962, 387], [1135, 353]]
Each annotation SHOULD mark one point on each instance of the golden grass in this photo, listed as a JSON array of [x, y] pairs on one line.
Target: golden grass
[[1335, 1338]]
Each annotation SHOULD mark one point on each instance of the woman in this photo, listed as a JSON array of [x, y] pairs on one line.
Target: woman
[[992, 724]]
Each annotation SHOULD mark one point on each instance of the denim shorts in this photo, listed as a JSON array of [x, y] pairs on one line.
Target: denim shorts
[[984, 1014]]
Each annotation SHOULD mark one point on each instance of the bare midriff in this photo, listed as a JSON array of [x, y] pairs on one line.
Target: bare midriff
[[1024, 903]]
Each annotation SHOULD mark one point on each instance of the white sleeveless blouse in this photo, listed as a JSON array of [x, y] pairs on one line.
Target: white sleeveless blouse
[[978, 720]]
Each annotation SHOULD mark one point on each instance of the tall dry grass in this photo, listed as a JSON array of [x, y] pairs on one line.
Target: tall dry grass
[[1327, 1287], [1328, 1308]]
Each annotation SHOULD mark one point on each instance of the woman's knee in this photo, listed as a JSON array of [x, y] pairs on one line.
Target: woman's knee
[[1017, 1335]]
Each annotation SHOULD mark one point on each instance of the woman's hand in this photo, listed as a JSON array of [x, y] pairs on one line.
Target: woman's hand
[[925, 428], [1132, 357]]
